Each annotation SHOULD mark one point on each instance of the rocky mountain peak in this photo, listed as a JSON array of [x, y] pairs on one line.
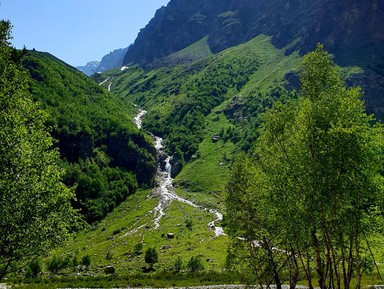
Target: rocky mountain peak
[[345, 27]]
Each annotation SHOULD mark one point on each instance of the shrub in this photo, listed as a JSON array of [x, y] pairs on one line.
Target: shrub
[[178, 265], [33, 269], [86, 260], [189, 224], [109, 255], [151, 257], [195, 264], [138, 249]]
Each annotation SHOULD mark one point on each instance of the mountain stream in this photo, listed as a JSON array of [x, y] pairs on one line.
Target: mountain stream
[[165, 190]]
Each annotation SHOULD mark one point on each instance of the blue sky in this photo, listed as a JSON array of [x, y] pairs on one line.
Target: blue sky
[[77, 31]]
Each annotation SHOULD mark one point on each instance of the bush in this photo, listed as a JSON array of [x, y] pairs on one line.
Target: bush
[[178, 265], [138, 249], [86, 260], [58, 263], [33, 269], [195, 264], [109, 255], [189, 224], [151, 257]]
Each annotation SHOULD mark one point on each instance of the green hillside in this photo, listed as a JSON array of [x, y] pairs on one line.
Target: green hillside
[[183, 107], [104, 153], [219, 95], [213, 106]]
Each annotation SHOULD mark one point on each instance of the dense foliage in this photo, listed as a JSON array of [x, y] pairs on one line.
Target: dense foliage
[[35, 209], [104, 154], [179, 98], [151, 257], [310, 195]]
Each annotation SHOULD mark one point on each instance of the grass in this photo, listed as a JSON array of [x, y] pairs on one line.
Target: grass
[[113, 235], [161, 279], [154, 280]]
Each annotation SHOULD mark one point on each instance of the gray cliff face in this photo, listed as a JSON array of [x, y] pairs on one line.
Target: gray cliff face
[[89, 68], [347, 28], [352, 30], [112, 60]]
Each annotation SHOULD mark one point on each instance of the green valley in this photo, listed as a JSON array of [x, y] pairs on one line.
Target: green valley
[[225, 147]]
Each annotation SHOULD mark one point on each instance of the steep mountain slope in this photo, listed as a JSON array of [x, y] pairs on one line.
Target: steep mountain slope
[[112, 60], [346, 28], [104, 152], [90, 68], [352, 30]]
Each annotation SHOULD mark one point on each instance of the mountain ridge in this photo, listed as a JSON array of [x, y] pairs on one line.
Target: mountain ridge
[[338, 25], [112, 60], [351, 30]]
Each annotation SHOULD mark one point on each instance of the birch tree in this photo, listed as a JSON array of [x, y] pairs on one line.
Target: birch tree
[[317, 163]]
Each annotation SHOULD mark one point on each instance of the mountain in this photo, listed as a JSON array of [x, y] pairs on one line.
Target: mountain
[[112, 60], [346, 28], [90, 68], [351, 30]]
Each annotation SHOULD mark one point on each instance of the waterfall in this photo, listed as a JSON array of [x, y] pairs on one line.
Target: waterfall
[[165, 190]]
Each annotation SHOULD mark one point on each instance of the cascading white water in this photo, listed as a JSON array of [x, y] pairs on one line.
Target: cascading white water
[[219, 217], [138, 118], [165, 191]]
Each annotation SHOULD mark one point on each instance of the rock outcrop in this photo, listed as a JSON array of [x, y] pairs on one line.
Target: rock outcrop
[[351, 29]]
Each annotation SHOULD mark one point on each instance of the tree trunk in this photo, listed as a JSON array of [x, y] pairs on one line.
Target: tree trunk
[[319, 265], [336, 269], [272, 264], [294, 270], [306, 267], [348, 277], [358, 268], [328, 269], [5, 269]]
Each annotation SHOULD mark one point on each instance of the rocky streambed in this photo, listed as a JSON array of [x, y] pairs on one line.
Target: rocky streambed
[[165, 191]]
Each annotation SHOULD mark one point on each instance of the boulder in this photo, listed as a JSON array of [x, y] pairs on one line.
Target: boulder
[[170, 235], [176, 169], [165, 247], [216, 138], [116, 232], [109, 270]]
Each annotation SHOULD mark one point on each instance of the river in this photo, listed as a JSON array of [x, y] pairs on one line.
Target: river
[[165, 191]]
